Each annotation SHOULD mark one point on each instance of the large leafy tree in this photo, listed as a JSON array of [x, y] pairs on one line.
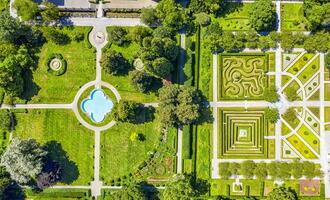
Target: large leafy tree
[[26, 9], [126, 111], [149, 17], [10, 29], [317, 13], [181, 189], [282, 193], [171, 14], [247, 168], [141, 80], [5, 181], [208, 6], [272, 114], [23, 160], [114, 62], [4, 120], [162, 67], [262, 15], [50, 12], [212, 36], [10, 76], [118, 36]]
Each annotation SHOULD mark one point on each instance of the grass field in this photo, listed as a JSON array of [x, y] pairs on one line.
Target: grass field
[[122, 82], [235, 17], [310, 138], [47, 88], [301, 147], [62, 131], [310, 70], [292, 17]]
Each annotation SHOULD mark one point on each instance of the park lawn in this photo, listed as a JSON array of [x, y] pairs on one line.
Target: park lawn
[[203, 151], [235, 17], [310, 138], [292, 17], [285, 130], [315, 111], [301, 147], [327, 91], [298, 65], [80, 57], [61, 126], [122, 82], [51, 194], [327, 114], [119, 155], [310, 70], [4, 4]]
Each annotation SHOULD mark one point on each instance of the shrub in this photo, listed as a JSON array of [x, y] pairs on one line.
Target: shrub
[[271, 94], [78, 36], [63, 67], [291, 93], [272, 115], [118, 36]]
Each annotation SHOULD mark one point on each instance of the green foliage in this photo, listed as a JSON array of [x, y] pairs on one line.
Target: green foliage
[[141, 80], [131, 192], [203, 19], [126, 111], [138, 33], [261, 171], [212, 37], [247, 169], [262, 15], [26, 9], [272, 115], [317, 13], [113, 62], [186, 102], [179, 189], [10, 76], [290, 114], [327, 60], [171, 14], [162, 67], [163, 32], [207, 6], [118, 36], [78, 36], [50, 12], [23, 160], [224, 170], [291, 93], [63, 67], [282, 193], [56, 36], [318, 41], [271, 95], [5, 181], [149, 17], [4, 120]]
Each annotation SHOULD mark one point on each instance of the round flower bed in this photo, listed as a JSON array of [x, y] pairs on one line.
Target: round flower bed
[[56, 64]]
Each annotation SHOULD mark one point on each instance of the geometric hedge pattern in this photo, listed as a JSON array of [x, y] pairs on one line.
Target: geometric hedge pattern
[[242, 134]]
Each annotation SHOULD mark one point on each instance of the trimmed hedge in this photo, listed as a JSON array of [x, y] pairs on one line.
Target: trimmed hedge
[[62, 70]]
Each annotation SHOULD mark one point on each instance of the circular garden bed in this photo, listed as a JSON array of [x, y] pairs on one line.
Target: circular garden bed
[[56, 64]]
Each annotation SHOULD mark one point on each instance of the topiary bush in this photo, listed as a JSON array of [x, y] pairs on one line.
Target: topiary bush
[[62, 68]]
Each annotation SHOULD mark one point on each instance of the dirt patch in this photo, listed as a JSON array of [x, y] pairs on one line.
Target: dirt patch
[[309, 188]]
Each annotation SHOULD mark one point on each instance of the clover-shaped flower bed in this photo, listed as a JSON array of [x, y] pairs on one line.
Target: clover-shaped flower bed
[[56, 64]]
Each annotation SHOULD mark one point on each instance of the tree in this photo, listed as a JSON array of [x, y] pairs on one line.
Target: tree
[[141, 80], [10, 29], [282, 193], [310, 170], [10, 76], [212, 37], [126, 111], [297, 169], [163, 32], [187, 113], [261, 171], [207, 6], [317, 42], [171, 14], [291, 93], [56, 36], [162, 67], [271, 94], [179, 189], [248, 168], [273, 169], [23, 160], [284, 170], [5, 120], [131, 192], [290, 114], [5, 181], [287, 41], [113, 62], [234, 168], [138, 33], [50, 12], [203, 19], [118, 36], [224, 170], [272, 115], [149, 17], [262, 15], [26, 9], [51, 173], [6, 49], [252, 39]]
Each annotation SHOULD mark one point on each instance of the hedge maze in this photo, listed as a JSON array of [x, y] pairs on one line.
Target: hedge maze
[[242, 134], [243, 76]]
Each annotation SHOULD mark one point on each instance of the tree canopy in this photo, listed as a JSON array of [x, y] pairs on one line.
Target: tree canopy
[[126, 111], [282, 193], [113, 62], [179, 189], [23, 160], [26, 9], [272, 115], [262, 15]]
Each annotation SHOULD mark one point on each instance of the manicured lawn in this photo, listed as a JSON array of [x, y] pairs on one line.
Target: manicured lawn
[[122, 82], [298, 65], [310, 70], [310, 138], [292, 17], [51, 194], [47, 88], [4, 4], [235, 17], [327, 91], [225, 187], [203, 151], [301, 147], [62, 131], [119, 155], [327, 114]]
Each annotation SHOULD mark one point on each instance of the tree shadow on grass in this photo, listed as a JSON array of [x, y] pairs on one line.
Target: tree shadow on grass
[[69, 169], [145, 114], [30, 87]]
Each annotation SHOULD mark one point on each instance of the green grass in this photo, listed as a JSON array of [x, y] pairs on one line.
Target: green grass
[[310, 70], [298, 65], [235, 17], [4, 5], [301, 147], [203, 154], [285, 130], [51, 194], [61, 126], [327, 91], [47, 88], [327, 114], [122, 83], [292, 17], [310, 138], [121, 156]]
